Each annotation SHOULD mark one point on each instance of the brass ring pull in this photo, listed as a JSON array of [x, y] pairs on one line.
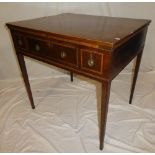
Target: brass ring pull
[[91, 62], [63, 54], [20, 42], [37, 47]]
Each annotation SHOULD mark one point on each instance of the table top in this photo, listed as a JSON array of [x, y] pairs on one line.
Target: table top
[[103, 29]]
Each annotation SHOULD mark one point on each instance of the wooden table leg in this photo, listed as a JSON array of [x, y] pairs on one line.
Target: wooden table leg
[[25, 78], [138, 60], [104, 110], [71, 74]]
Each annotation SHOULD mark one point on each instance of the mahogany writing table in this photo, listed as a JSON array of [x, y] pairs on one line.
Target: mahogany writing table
[[97, 47]]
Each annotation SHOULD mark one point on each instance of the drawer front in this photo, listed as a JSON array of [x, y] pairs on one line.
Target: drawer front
[[91, 61], [63, 53], [19, 40], [38, 46]]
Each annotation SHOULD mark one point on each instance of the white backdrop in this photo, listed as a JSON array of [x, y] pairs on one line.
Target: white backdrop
[[20, 11], [65, 118]]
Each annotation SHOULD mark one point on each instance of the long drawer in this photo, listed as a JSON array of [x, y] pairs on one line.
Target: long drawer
[[59, 52]]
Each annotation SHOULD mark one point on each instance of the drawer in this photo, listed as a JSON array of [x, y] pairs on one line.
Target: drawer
[[91, 61], [38, 46], [64, 53], [19, 40]]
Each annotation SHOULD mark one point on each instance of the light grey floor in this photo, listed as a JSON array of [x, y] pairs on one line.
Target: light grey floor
[[66, 118]]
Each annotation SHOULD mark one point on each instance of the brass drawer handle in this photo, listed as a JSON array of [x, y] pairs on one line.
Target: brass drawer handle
[[63, 54], [20, 42], [37, 47], [91, 62]]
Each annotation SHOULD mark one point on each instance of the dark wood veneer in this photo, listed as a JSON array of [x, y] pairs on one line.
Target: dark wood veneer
[[64, 53], [97, 47]]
